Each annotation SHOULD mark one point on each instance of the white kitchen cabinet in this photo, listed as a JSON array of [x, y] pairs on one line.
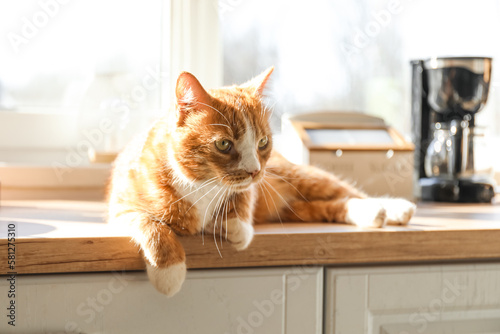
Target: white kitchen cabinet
[[436, 299], [404, 299], [276, 300]]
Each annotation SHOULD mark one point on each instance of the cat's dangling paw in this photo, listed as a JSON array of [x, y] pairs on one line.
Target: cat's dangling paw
[[239, 233], [399, 211], [167, 280], [365, 212]]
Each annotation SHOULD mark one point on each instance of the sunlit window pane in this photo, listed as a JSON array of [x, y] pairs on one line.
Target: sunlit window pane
[[75, 56]]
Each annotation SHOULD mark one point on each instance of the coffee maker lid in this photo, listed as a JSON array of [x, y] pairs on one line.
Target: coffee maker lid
[[477, 65]]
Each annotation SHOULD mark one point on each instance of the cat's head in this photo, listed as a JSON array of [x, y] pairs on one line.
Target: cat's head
[[223, 134]]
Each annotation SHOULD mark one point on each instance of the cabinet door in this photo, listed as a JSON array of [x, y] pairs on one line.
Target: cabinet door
[[438, 299], [276, 300]]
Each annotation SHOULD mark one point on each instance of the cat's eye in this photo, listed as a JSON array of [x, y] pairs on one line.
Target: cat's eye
[[263, 142], [223, 145]]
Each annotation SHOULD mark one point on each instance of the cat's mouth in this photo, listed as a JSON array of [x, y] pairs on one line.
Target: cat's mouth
[[242, 184]]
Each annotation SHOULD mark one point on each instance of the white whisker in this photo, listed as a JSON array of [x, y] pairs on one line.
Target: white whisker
[[217, 211], [265, 199], [212, 180], [224, 210], [207, 105], [164, 212], [206, 211], [203, 226], [227, 126], [283, 179], [284, 201], [274, 203], [269, 169]]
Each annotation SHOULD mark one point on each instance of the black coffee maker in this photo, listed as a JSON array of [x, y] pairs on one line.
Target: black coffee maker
[[446, 95]]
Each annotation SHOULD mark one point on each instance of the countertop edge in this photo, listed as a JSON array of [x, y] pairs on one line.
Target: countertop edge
[[101, 254]]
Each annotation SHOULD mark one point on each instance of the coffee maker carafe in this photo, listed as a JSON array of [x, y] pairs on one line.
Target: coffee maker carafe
[[447, 93]]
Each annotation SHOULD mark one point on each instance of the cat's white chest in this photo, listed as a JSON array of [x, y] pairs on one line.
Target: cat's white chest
[[207, 199]]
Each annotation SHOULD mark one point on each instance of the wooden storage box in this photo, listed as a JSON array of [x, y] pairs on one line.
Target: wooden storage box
[[359, 148]]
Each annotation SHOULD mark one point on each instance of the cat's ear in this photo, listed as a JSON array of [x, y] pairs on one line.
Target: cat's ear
[[189, 92], [258, 83]]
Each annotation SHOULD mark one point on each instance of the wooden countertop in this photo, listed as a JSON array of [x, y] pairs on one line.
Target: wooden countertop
[[68, 236]]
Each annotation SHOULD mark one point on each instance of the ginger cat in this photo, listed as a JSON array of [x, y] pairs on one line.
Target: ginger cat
[[211, 168]]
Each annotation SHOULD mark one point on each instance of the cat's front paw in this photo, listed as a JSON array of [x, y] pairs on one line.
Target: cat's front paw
[[239, 233], [399, 211], [365, 212], [167, 280]]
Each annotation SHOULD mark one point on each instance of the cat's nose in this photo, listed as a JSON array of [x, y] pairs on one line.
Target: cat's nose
[[253, 173]]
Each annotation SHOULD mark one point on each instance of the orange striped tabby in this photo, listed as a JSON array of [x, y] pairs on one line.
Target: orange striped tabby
[[211, 168]]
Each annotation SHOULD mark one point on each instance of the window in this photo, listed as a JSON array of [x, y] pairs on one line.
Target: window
[[67, 66], [80, 77], [71, 67], [354, 55]]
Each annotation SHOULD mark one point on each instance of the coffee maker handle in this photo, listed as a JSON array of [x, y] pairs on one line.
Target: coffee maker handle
[[467, 147], [462, 159]]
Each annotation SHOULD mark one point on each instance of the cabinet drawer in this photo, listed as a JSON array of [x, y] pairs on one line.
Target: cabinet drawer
[[438, 299], [276, 300]]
